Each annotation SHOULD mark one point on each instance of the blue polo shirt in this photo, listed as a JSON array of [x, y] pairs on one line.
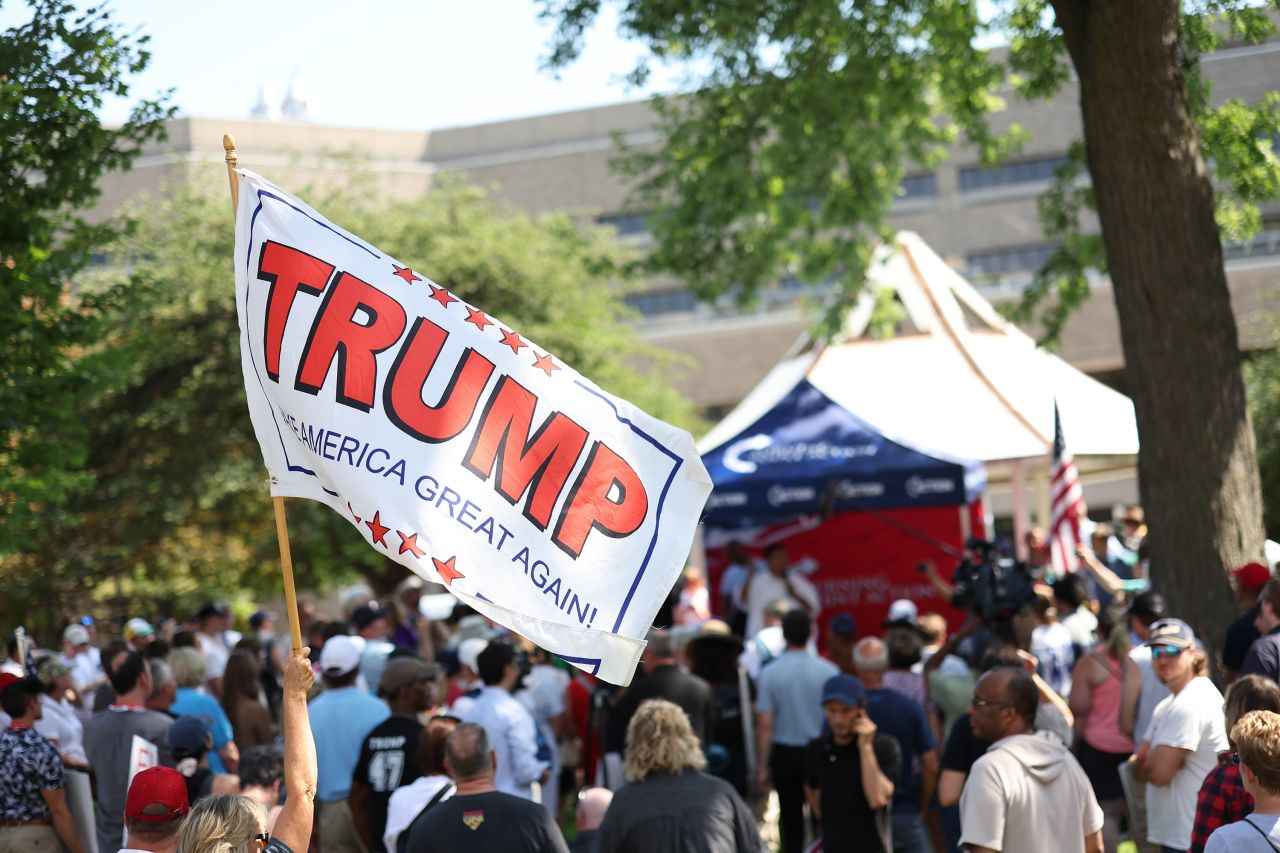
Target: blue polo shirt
[[191, 702], [903, 718], [791, 689], [341, 718]]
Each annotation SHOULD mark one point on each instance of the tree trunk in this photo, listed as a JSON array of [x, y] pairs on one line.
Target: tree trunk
[[1197, 465]]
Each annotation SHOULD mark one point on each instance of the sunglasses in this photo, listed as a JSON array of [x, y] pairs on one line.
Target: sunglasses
[[261, 840], [1158, 652], [979, 704]]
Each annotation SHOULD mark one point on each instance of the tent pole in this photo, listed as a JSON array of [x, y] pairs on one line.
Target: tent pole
[[1021, 524]]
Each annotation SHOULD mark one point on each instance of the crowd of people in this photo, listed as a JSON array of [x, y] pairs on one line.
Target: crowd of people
[[1081, 719]]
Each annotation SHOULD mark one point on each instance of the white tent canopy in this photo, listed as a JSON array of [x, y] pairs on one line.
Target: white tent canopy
[[960, 380]]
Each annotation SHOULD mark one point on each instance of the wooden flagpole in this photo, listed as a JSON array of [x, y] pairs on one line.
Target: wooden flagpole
[[282, 529]]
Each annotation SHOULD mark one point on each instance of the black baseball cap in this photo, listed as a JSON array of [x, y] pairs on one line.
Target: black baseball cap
[[1149, 606]]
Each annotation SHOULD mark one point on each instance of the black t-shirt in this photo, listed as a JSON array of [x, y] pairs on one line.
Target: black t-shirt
[[489, 822], [963, 747], [848, 823], [1240, 636], [388, 759]]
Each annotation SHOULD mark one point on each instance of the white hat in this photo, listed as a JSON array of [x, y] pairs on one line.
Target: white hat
[[469, 653], [75, 635], [339, 656], [903, 610]]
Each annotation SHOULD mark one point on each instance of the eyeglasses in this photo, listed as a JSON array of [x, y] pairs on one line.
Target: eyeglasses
[[1158, 652], [978, 704]]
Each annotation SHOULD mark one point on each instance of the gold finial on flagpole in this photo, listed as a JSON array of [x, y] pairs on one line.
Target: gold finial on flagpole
[[282, 529], [229, 145]]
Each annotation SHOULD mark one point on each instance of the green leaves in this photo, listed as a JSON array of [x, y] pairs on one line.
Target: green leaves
[[785, 153], [55, 70], [172, 504]]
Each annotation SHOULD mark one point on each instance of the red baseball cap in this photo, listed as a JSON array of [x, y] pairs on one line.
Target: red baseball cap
[[7, 678], [157, 786], [1252, 576]]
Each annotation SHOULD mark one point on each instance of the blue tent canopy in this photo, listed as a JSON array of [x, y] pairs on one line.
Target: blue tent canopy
[[808, 454]]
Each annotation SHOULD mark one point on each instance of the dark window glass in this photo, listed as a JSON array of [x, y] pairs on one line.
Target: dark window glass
[[1007, 174], [996, 262], [626, 224], [919, 186], [656, 303]]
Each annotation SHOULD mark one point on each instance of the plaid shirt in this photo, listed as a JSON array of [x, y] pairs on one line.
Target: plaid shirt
[[1222, 800]]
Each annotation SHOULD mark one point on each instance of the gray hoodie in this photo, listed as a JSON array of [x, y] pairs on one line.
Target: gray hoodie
[[1028, 788]]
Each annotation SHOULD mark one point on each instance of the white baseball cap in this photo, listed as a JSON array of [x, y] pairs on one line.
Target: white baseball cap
[[75, 635], [903, 610], [340, 655], [469, 653]]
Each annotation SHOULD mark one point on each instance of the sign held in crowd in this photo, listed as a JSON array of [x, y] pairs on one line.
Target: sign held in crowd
[[457, 446]]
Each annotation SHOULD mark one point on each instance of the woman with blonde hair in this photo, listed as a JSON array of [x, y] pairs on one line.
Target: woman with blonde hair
[[231, 823], [670, 804]]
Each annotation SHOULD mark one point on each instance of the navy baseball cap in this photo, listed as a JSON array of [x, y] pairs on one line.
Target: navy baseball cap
[[843, 625], [845, 689]]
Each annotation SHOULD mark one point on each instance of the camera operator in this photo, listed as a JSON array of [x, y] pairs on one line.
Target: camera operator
[[509, 724]]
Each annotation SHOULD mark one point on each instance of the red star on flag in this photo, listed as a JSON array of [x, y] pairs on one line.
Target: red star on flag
[[448, 573], [444, 297], [377, 528], [544, 362], [477, 319], [410, 543], [407, 274], [353, 513], [512, 340]]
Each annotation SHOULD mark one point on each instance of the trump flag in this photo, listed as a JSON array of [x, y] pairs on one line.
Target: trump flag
[[455, 445]]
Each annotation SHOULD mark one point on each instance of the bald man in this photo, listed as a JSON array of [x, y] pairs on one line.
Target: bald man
[[592, 804]]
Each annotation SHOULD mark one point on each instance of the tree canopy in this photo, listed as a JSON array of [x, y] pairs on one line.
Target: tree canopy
[[56, 69], [175, 509], [783, 153]]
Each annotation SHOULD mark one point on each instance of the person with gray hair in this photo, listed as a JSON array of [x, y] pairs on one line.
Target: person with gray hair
[[164, 687], [663, 679], [593, 803], [478, 816]]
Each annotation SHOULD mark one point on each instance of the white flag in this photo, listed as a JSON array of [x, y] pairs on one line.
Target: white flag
[[457, 446]]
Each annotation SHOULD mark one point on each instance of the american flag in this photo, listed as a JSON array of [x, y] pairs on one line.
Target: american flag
[[1067, 503]]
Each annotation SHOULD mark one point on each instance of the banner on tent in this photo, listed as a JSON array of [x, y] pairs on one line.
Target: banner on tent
[[458, 447]]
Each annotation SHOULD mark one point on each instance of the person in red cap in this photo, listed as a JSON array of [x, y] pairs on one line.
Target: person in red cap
[[154, 811], [1249, 580]]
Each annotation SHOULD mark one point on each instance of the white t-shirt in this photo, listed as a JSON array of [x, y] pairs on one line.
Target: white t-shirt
[[215, 655], [1052, 646], [405, 803], [60, 725], [1257, 833], [767, 588], [1189, 720], [1026, 790], [1152, 694]]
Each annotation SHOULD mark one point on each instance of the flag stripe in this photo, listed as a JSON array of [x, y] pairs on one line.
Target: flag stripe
[[1066, 503]]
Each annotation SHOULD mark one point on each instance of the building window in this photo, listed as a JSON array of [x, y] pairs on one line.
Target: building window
[[658, 303], [626, 224], [974, 178], [1264, 244], [991, 263], [919, 186]]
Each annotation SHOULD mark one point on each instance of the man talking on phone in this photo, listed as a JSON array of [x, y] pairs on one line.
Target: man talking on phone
[[850, 773]]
